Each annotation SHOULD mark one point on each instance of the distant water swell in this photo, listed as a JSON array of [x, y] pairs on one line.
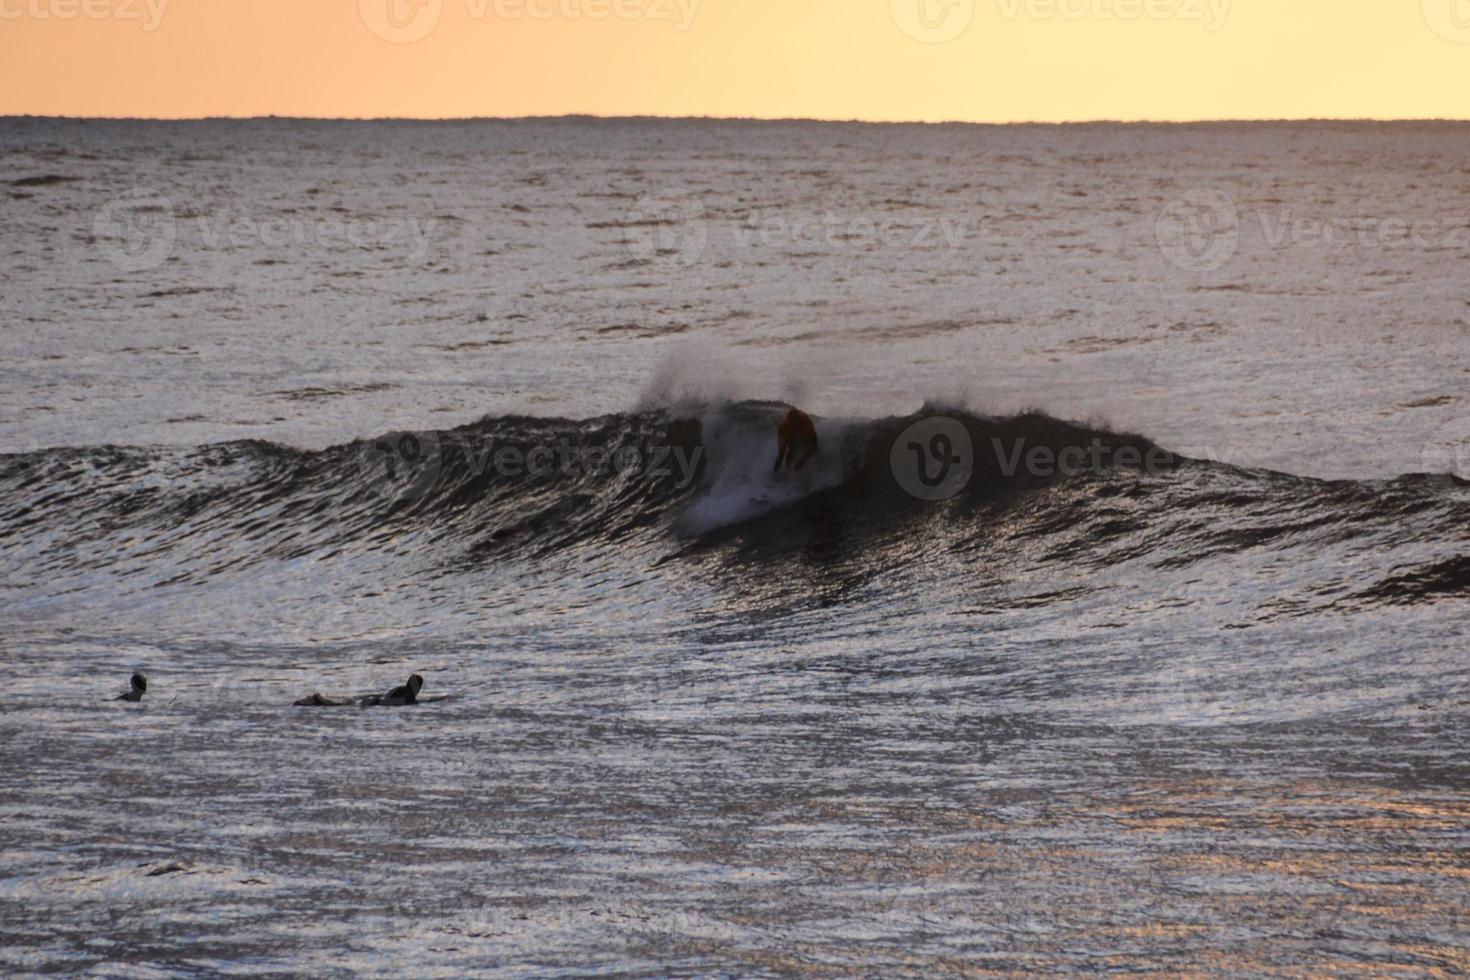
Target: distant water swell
[[660, 486]]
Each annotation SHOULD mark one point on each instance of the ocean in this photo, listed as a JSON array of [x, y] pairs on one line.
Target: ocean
[[1120, 622]]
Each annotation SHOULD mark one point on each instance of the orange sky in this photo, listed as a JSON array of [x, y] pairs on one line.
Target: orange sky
[[981, 60]]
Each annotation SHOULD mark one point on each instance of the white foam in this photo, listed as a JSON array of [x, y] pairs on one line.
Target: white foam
[[738, 483]]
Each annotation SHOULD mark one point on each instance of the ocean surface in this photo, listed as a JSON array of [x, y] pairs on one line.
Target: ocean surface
[[1122, 622]]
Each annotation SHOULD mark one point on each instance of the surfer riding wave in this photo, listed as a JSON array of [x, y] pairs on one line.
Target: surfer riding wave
[[797, 441]]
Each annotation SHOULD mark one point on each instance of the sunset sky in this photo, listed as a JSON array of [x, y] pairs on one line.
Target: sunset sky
[[979, 60]]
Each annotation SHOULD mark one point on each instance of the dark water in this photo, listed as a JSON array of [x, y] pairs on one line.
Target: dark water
[[1113, 702], [1165, 716]]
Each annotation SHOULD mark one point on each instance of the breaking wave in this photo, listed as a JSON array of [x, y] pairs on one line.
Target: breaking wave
[[658, 486]]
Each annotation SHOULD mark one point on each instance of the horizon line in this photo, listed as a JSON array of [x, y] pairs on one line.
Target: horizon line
[[649, 117]]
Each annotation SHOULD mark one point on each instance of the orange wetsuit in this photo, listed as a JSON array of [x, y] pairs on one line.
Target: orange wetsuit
[[798, 440]]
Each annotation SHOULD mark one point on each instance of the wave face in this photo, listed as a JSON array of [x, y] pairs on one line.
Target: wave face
[[651, 489]]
